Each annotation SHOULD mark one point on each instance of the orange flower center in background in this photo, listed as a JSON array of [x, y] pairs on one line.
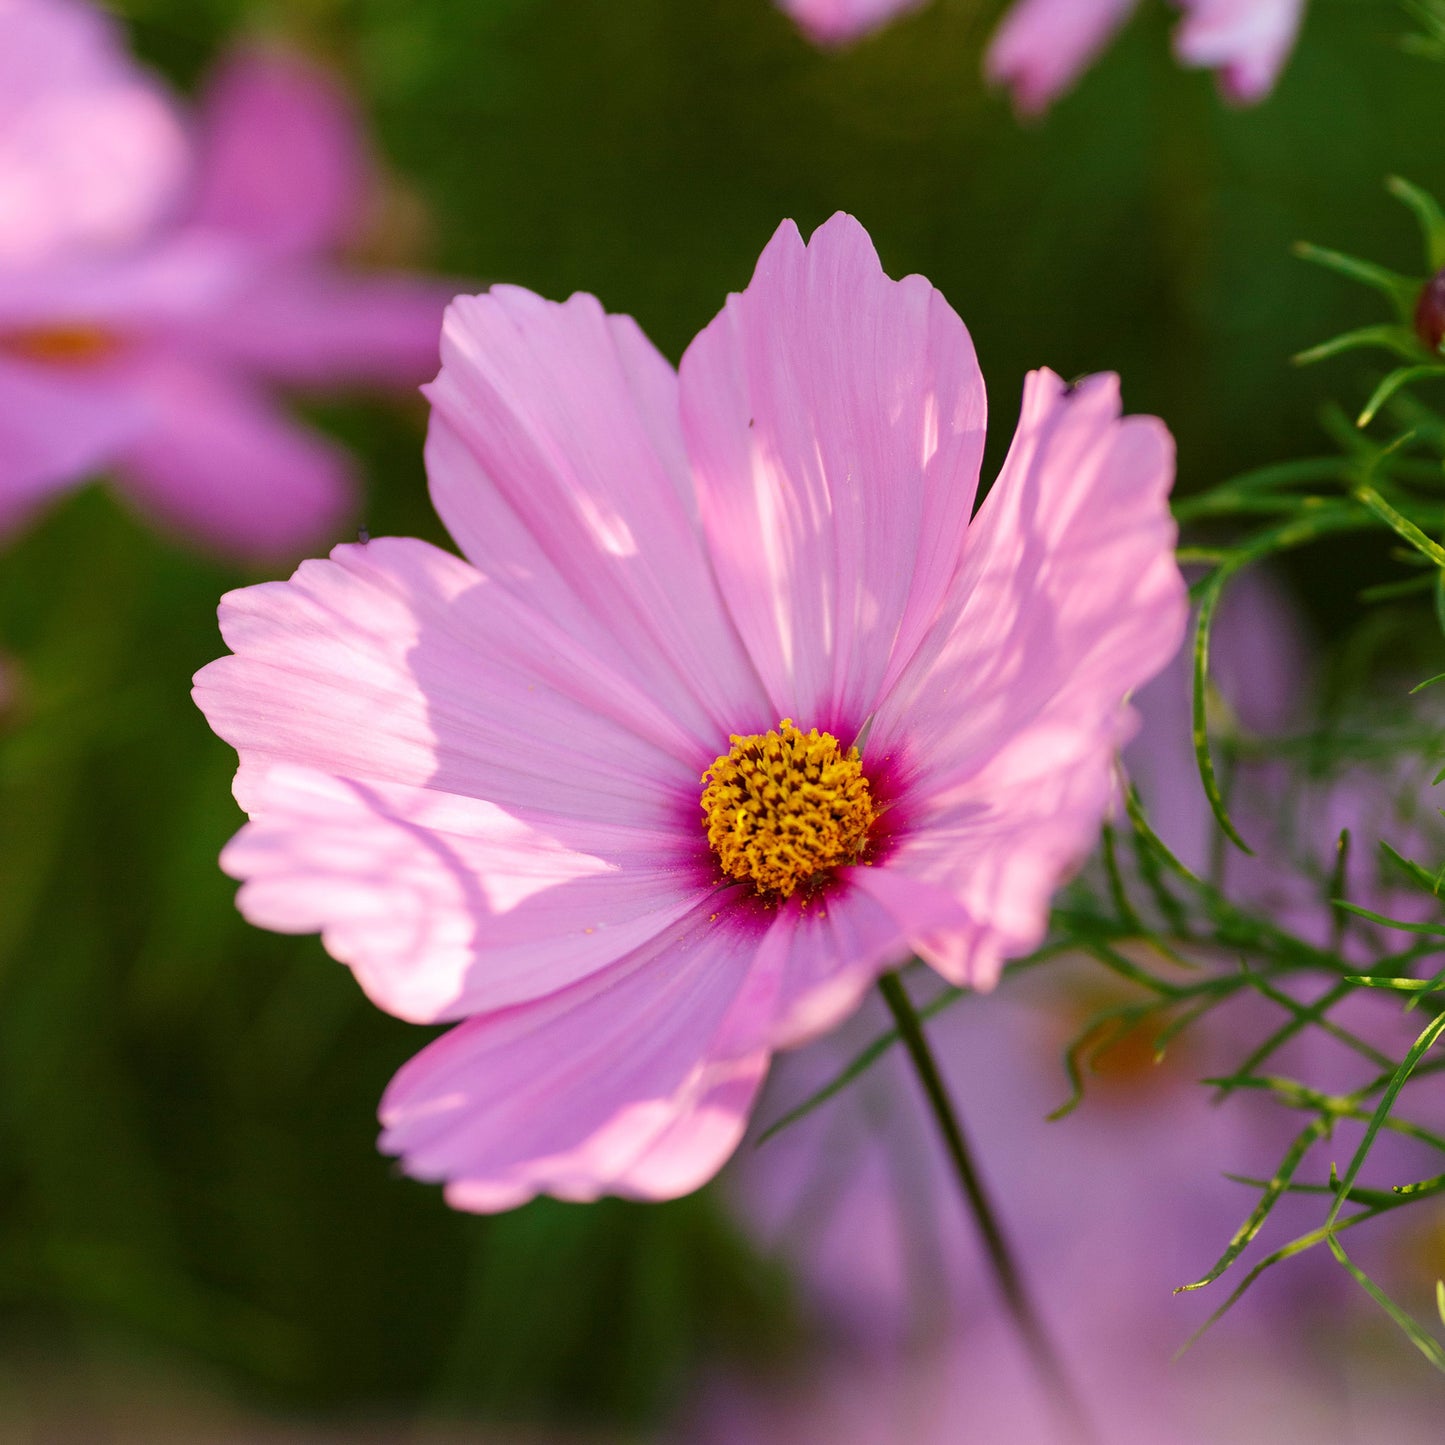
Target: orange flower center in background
[[784, 807], [73, 345]]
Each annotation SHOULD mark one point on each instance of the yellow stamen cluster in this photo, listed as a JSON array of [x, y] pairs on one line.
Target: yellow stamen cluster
[[783, 807]]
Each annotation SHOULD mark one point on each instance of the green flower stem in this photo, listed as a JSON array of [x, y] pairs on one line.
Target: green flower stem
[[1047, 1362]]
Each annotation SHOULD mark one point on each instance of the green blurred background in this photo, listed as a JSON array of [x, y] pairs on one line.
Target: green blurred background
[[188, 1183]]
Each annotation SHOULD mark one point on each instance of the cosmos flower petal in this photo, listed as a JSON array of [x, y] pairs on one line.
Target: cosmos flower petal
[[428, 744], [55, 428], [828, 953], [636, 1081], [1043, 46], [92, 153], [1002, 738], [281, 160], [835, 423], [445, 906], [1001, 842], [312, 325], [1067, 599], [557, 464], [153, 289], [396, 662], [839, 22], [1246, 41], [220, 463]]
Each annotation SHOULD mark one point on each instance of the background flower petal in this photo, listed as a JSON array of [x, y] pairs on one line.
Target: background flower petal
[[1043, 46], [92, 153], [282, 161], [220, 463], [1246, 41], [315, 326], [836, 22], [835, 422], [55, 428]]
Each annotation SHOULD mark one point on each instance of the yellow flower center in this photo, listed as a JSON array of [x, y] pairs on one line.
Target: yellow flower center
[[783, 807], [65, 345]]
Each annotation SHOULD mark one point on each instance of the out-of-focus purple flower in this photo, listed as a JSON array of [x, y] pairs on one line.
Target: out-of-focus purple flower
[[1042, 47], [838, 22], [91, 150], [1290, 809], [974, 1387], [147, 334], [1246, 42], [483, 779]]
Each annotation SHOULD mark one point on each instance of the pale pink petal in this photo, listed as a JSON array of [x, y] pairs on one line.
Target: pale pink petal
[[835, 422], [443, 905], [56, 428], [838, 22], [556, 462], [282, 160], [184, 277], [220, 464], [1068, 596], [637, 1081], [1067, 600], [828, 952], [1000, 843], [314, 326], [395, 662], [91, 150], [1044, 46], [1246, 41]]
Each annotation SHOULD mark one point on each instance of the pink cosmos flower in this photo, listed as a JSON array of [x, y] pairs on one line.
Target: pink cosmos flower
[[144, 323], [1043, 46], [731, 706], [839, 22], [91, 149]]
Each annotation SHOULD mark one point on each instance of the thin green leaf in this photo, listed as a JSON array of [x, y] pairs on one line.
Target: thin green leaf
[[1427, 1344], [1430, 882], [1418, 1049], [1401, 525], [1273, 1192], [1398, 339], [1284, 1252], [1401, 376], [1208, 601], [1421, 202], [1435, 930], [1402, 290]]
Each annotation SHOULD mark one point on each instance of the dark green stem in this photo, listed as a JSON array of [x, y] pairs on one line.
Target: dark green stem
[[1006, 1272]]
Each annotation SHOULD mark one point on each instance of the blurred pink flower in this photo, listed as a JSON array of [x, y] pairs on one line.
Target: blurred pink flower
[[1246, 41], [481, 780], [91, 150], [973, 1388], [1043, 46], [838, 22], [144, 322]]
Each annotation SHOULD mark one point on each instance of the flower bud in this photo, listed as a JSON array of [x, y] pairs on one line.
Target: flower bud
[[1430, 312]]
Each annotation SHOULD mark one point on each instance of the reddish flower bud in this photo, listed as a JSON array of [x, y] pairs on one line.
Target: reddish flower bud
[[1430, 312]]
